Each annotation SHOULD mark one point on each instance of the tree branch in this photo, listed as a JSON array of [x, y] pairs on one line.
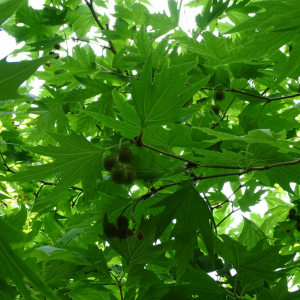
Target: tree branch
[[90, 6], [267, 167]]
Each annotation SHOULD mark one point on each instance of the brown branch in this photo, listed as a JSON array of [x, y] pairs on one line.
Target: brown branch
[[90, 6], [267, 167], [38, 192], [281, 98], [51, 183], [6, 166], [121, 293]]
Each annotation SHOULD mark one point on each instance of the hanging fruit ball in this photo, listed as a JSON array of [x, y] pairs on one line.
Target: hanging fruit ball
[[119, 174], [122, 221], [125, 155], [110, 230], [216, 109], [292, 213], [131, 175], [219, 95], [122, 232], [57, 46], [109, 162]]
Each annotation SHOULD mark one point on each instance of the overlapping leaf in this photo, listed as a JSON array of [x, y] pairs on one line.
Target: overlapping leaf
[[75, 159]]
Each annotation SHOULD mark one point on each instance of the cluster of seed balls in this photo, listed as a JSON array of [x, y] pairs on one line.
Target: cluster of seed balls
[[120, 172], [218, 96], [120, 229], [293, 216]]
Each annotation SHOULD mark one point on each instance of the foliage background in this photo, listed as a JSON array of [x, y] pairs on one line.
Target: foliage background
[[151, 88]]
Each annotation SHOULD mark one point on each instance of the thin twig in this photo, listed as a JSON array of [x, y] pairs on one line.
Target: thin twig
[[121, 293], [4, 203], [90, 6], [98, 127], [227, 200], [227, 217], [167, 154], [37, 194], [6, 166]]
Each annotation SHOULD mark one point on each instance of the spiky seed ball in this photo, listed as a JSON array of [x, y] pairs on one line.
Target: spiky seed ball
[[219, 95], [216, 109], [109, 162], [298, 227], [125, 155], [287, 231], [122, 221], [119, 174], [297, 218], [57, 46], [129, 232], [122, 232], [110, 230], [131, 175], [139, 235]]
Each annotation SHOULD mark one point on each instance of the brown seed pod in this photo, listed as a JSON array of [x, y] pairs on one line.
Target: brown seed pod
[[129, 232], [139, 235], [287, 231]]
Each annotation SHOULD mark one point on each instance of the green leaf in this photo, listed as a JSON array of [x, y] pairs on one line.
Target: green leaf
[[291, 64], [249, 198], [17, 270], [13, 74], [191, 213], [208, 16], [8, 7], [261, 263], [76, 158], [135, 251], [152, 101], [200, 284], [251, 234]]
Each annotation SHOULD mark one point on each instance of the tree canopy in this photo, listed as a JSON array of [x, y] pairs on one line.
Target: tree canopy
[[125, 176]]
